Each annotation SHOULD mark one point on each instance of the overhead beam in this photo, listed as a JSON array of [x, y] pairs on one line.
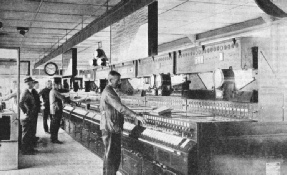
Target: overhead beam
[[62, 27], [231, 28], [52, 30], [45, 13], [25, 47], [13, 20], [73, 9], [74, 3], [271, 8], [120, 11], [33, 40]]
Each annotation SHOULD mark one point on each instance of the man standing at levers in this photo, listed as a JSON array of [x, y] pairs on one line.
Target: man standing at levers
[[112, 121], [56, 111], [44, 93], [38, 108]]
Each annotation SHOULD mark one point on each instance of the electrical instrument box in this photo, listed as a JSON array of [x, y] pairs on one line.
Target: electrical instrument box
[[145, 67], [127, 70], [237, 53], [160, 64], [102, 73], [163, 64]]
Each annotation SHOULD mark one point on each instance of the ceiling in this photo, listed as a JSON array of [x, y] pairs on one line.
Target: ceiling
[[52, 22], [182, 18]]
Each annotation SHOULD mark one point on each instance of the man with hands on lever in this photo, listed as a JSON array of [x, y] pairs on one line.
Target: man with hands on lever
[[112, 120], [56, 111]]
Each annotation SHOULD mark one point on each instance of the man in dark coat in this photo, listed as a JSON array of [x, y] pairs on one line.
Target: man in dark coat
[[30, 109], [38, 108], [44, 93], [112, 121]]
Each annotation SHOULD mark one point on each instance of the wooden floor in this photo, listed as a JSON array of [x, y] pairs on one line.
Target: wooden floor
[[69, 158]]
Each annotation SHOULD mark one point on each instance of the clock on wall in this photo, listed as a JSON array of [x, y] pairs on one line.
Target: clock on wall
[[51, 68]]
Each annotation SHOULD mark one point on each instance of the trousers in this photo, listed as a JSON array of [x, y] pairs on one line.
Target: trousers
[[34, 122], [27, 135], [46, 114], [55, 124], [112, 157]]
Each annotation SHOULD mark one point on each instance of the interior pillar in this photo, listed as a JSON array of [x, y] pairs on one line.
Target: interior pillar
[[153, 29]]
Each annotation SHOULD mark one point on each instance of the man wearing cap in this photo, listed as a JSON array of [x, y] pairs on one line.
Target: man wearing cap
[[30, 109], [112, 121], [45, 96], [56, 110]]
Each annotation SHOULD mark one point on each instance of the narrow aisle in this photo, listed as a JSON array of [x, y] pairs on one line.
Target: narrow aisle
[[69, 158]]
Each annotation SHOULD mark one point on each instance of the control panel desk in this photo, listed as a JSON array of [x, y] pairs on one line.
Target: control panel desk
[[180, 143]]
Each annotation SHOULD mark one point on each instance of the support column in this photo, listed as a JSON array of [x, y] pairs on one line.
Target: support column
[[74, 68], [69, 60], [153, 29], [74, 62]]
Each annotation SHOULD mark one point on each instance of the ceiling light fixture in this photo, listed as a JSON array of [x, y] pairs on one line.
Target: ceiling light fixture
[[179, 53], [100, 58], [91, 62], [23, 30], [203, 47], [233, 40]]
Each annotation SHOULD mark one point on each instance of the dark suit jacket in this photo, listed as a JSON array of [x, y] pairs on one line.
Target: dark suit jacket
[[45, 96], [37, 100], [28, 104], [112, 111]]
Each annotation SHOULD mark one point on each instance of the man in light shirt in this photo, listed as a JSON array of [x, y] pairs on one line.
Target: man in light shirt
[[112, 121], [38, 105], [56, 111], [45, 97]]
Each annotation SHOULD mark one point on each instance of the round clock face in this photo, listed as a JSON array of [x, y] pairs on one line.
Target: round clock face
[[51, 68]]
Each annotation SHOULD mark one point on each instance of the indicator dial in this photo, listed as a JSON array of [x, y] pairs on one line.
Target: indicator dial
[[51, 68]]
